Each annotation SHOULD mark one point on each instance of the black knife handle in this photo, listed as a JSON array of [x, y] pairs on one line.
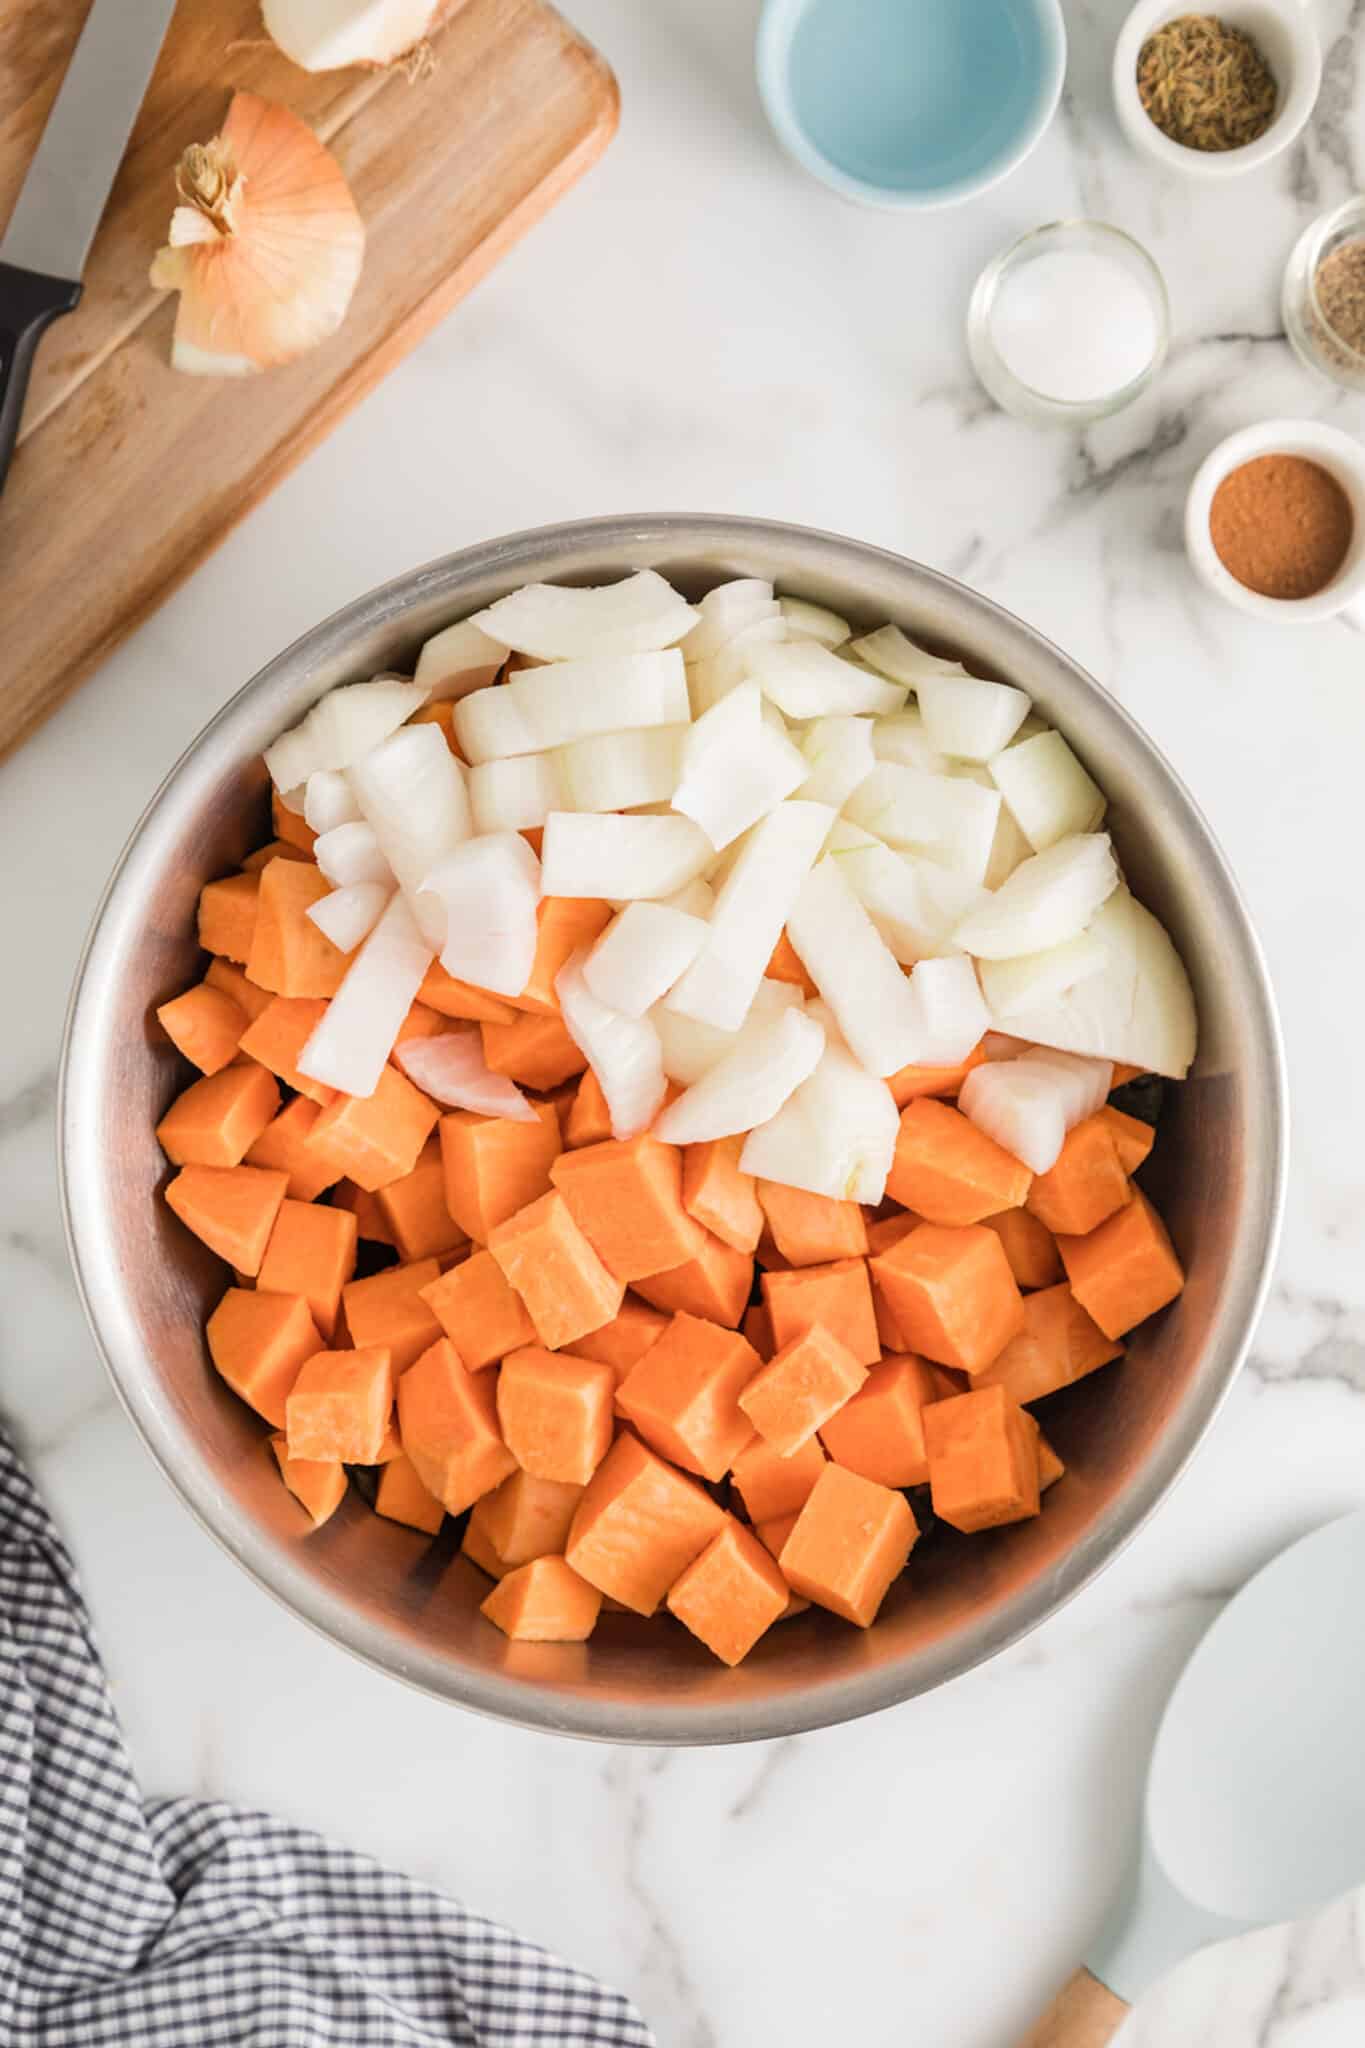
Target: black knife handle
[[29, 303]]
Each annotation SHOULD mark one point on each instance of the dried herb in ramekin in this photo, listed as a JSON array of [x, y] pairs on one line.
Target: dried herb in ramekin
[[1205, 84]]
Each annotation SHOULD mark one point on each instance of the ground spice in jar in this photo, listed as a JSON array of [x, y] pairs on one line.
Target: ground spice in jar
[[1281, 525], [1339, 292], [1205, 84]]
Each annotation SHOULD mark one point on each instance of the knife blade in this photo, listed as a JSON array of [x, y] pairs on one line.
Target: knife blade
[[43, 251]]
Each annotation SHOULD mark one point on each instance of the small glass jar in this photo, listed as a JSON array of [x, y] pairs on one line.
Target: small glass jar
[[1023, 400], [1316, 342]]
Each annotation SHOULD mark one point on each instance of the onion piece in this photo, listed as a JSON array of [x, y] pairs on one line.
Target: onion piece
[[915, 904], [691, 1048], [488, 890], [352, 853], [560, 623], [839, 755], [903, 738], [1047, 790], [559, 701], [341, 727], [725, 611], [619, 770], [1020, 1106], [735, 768], [1032, 978], [357, 1030], [349, 915], [950, 1010], [412, 790], [595, 854], [855, 971], [713, 677], [892, 654], [451, 1069], [623, 1052], [770, 1058], [1050, 898], [1085, 1083], [834, 1136], [459, 660], [330, 35], [640, 955], [806, 621], [805, 680], [945, 818], [968, 718], [328, 801], [515, 795], [697, 898]]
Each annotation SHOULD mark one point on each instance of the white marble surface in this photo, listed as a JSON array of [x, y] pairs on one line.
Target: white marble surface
[[700, 327]]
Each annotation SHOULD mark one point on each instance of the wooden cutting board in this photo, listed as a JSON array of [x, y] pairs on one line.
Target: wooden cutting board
[[128, 473]]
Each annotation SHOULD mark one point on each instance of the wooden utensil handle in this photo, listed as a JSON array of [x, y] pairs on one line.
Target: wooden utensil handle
[[29, 303], [1084, 2014]]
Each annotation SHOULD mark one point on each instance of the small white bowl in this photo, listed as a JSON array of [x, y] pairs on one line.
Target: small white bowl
[[1343, 457], [1284, 31]]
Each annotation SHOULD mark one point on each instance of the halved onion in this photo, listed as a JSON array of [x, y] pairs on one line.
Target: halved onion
[[1048, 899], [356, 1033], [561, 623], [749, 1083], [348, 915], [488, 890], [640, 955], [452, 1070], [623, 1052], [341, 727]]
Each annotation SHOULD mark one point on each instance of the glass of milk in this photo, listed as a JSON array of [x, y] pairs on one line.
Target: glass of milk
[[1068, 324]]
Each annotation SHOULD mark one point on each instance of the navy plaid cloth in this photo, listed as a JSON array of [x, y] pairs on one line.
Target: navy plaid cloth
[[191, 1924]]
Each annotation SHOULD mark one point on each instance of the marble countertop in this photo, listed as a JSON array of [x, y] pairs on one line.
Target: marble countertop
[[700, 327]]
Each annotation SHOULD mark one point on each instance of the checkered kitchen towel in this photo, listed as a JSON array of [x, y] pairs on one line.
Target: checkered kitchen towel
[[190, 1924]]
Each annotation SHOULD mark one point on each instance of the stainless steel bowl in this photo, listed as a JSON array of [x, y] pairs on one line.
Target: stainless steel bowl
[[412, 1610]]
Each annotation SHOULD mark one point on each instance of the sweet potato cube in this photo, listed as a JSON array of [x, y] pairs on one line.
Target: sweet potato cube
[[1050, 1466], [231, 1208], [556, 1414], [800, 1388], [281, 1147], [228, 978], [401, 1497], [219, 1117], [1029, 1247], [311, 1252], [639, 1524], [451, 998], [274, 849], [259, 1342], [881, 1235], [1057, 1345], [771, 1485], [547, 1259], [625, 1195], [784, 964], [1125, 1270], [884, 1231], [494, 1166], [421, 1022], [684, 1395], [476, 1544], [415, 1209], [376, 1139], [527, 1517], [713, 1284], [983, 1460], [227, 916], [850, 1540], [1133, 1139], [812, 1230], [544, 1602], [880, 1432], [948, 1171], [290, 826], [365, 1208], [952, 1294], [448, 1420], [392, 1446], [589, 1119], [564, 923], [723, 1200], [1124, 1073], [534, 1050], [909, 1082], [838, 1295], [757, 1326], [623, 1342], [340, 1404], [390, 1308], [774, 1530], [731, 1594], [481, 1314], [289, 955], [276, 1040], [317, 1484], [205, 1025], [1087, 1183]]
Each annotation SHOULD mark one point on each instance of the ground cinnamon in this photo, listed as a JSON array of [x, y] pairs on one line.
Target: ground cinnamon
[[1281, 525]]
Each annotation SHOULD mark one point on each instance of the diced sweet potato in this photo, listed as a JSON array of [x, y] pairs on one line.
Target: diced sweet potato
[[527, 1517], [773, 1532], [289, 826], [274, 849], [311, 1252], [227, 916], [277, 1037], [850, 1540], [1133, 1139], [1125, 1270], [757, 1326], [556, 1414], [392, 1446], [390, 1308], [219, 1117], [811, 1230], [533, 1049], [767, 1257], [226, 976], [623, 1342], [415, 1209], [884, 1231], [494, 1166], [547, 1259], [784, 964], [317, 1484], [421, 1022], [259, 1342], [442, 714], [1050, 1466], [625, 1195], [731, 1594], [589, 1120], [983, 1460], [802, 1386], [365, 1208], [881, 1235], [281, 1146], [713, 1284], [838, 1295], [1057, 1345], [948, 1171], [481, 1314], [476, 1544], [205, 1025], [1087, 1183], [771, 1485], [880, 1432], [1123, 1073], [339, 1406], [952, 1294], [1029, 1246], [910, 1082], [451, 998], [564, 923], [231, 1208], [401, 1497], [723, 1200], [448, 1420], [543, 1602], [375, 1139], [684, 1395], [639, 1525], [289, 955]]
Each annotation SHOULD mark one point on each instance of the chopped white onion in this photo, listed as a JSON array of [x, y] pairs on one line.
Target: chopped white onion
[[950, 1009], [412, 790], [735, 768], [805, 680], [1032, 978], [356, 1033], [854, 970], [622, 859], [515, 795], [459, 660], [640, 955], [691, 1048], [697, 898], [488, 890], [749, 1083], [892, 654], [903, 738], [839, 756], [1020, 1106], [806, 621], [341, 727], [915, 904], [1050, 898], [352, 853], [623, 1052], [618, 771], [725, 611], [452, 1070], [834, 1136], [349, 915], [968, 718], [1047, 790], [714, 676], [559, 623], [946, 818], [1085, 1083], [560, 701], [329, 801]]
